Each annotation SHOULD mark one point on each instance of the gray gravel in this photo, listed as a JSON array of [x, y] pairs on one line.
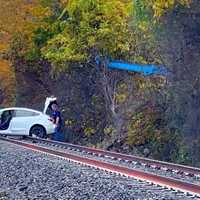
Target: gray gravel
[[25, 174]]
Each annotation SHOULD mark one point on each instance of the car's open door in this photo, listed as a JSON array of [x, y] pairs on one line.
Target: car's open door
[[49, 101], [5, 120]]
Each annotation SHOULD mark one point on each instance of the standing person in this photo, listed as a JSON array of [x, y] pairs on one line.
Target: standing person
[[57, 120]]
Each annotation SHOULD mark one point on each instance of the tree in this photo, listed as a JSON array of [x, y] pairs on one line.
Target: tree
[[179, 46], [19, 16], [93, 28], [156, 8], [99, 25]]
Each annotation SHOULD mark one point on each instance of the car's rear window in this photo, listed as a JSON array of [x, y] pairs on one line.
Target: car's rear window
[[25, 113]]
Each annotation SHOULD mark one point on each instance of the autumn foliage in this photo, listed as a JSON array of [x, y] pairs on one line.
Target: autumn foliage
[[7, 84]]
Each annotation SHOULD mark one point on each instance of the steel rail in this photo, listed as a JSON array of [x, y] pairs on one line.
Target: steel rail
[[140, 175], [146, 161]]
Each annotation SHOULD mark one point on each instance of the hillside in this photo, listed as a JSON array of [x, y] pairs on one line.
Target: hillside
[[52, 51]]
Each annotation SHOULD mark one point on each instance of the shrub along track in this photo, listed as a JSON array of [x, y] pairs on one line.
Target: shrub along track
[[166, 182]]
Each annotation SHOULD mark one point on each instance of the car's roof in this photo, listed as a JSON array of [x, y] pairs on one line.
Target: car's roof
[[20, 108]]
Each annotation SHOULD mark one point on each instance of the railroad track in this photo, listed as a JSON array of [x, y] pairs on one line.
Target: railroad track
[[56, 149], [187, 170]]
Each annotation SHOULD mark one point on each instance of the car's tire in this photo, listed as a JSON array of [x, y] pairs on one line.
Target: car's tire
[[38, 131]]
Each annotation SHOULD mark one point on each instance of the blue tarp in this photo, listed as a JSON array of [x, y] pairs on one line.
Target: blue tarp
[[145, 69], [148, 69]]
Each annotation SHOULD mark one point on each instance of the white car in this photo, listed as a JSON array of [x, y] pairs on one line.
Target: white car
[[26, 122]]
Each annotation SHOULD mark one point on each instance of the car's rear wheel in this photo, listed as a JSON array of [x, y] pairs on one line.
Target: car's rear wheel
[[38, 131]]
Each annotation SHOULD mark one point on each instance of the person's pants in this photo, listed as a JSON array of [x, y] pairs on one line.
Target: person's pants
[[58, 135]]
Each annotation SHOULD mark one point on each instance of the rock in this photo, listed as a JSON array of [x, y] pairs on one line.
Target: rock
[[146, 152], [3, 194], [22, 188]]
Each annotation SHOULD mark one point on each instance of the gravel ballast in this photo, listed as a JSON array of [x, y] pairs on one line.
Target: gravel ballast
[[25, 174]]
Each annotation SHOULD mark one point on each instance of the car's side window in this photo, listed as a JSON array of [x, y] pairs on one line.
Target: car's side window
[[25, 113]]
